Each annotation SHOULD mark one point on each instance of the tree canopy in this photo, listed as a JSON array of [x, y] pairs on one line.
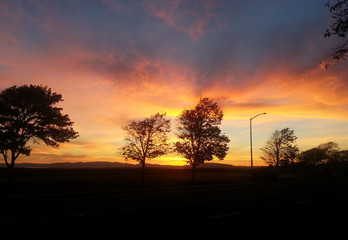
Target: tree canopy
[[200, 135], [29, 112], [280, 148], [146, 139], [323, 153], [339, 11]]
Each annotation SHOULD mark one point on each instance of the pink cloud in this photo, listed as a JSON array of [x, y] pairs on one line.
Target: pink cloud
[[185, 16], [124, 7]]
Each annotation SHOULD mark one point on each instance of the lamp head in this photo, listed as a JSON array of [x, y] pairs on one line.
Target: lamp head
[[257, 115]]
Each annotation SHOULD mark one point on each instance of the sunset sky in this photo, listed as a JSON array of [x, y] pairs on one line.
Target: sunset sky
[[116, 61]]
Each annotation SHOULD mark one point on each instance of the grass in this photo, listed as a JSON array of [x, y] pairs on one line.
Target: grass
[[289, 204], [53, 180]]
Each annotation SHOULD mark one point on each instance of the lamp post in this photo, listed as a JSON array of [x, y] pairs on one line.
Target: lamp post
[[251, 141]]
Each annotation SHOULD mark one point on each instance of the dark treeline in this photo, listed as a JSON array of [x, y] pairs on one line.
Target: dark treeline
[[282, 154], [325, 159]]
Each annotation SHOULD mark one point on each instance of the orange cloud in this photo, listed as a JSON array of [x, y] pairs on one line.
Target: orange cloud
[[126, 64], [102, 97]]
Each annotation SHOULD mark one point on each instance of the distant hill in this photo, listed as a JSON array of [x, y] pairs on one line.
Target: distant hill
[[75, 165], [70, 165]]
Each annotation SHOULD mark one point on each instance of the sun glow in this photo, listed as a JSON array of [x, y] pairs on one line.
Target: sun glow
[[172, 161]]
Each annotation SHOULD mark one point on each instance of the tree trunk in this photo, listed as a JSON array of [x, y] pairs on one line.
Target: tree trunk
[[10, 168], [143, 173], [277, 157], [193, 178], [10, 176]]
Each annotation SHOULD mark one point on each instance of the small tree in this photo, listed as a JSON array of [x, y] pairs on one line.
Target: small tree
[[146, 139], [280, 148], [339, 11], [200, 135], [29, 112]]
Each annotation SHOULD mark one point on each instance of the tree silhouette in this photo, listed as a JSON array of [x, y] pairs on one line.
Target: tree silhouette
[[200, 135], [323, 153], [280, 148], [146, 139], [29, 112], [339, 11]]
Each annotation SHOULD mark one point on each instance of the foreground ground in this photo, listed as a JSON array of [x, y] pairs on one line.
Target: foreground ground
[[224, 204]]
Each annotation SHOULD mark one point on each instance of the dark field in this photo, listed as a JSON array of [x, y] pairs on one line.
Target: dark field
[[53, 180], [223, 204]]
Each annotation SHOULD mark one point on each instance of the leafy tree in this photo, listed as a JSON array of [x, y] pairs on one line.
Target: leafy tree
[[200, 135], [29, 112], [339, 11], [339, 156], [280, 148], [330, 149], [323, 153], [146, 139], [313, 156]]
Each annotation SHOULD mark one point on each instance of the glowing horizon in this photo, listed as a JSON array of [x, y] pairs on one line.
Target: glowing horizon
[[116, 61]]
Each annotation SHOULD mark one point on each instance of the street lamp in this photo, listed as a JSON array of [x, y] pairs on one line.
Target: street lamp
[[251, 141]]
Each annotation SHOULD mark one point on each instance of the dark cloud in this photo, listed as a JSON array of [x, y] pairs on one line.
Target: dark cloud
[[234, 44]]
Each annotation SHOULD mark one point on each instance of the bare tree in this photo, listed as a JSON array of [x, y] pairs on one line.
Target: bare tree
[[29, 112], [280, 148], [200, 135], [146, 139]]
